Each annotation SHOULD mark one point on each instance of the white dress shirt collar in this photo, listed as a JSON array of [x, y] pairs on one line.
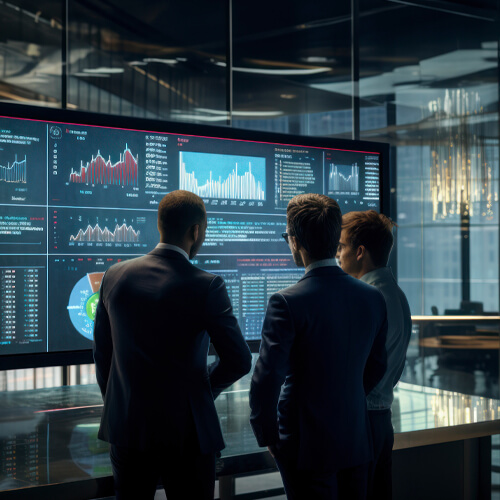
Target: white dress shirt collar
[[321, 263], [167, 246]]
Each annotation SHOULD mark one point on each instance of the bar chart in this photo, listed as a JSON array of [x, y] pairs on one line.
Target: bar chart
[[223, 176], [101, 171]]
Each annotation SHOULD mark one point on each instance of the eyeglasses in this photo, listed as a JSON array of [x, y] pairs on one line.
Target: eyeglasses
[[285, 236]]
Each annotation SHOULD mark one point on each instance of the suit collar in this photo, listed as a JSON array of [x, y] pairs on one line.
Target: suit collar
[[170, 254], [380, 274], [324, 271]]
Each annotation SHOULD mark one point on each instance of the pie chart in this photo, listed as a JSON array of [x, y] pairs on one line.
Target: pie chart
[[83, 303]]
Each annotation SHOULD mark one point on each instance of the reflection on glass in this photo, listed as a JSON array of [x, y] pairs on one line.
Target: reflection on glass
[[457, 409], [151, 63], [31, 52], [461, 173], [283, 67]]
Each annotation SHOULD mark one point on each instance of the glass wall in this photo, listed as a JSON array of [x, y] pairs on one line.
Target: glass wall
[[442, 93], [425, 80], [279, 61], [436, 74], [158, 62]]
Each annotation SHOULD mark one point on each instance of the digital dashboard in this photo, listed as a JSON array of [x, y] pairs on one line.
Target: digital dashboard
[[79, 192]]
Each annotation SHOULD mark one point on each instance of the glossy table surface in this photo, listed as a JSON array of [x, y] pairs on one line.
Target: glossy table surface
[[463, 342], [49, 436]]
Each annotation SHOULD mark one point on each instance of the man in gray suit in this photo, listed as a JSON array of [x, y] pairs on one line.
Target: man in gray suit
[[363, 252], [155, 318]]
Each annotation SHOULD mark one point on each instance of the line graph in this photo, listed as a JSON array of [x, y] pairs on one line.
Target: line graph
[[223, 176], [15, 172], [101, 171], [122, 234], [344, 178]]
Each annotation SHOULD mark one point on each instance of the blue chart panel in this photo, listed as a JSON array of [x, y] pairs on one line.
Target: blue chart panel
[[223, 176], [83, 303]]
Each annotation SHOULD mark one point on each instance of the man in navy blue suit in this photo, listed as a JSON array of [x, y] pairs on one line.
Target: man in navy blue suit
[[322, 352], [155, 318]]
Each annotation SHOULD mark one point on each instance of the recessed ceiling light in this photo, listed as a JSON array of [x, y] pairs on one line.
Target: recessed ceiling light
[[159, 60], [261, 71], [319, 59], [103, 71], [200, 118], [239, 113], [90, 75]]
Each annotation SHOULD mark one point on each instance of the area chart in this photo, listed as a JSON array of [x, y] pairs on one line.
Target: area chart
[[15, 172], [343, 178], [101, 171], [121, 233], [223, 176]]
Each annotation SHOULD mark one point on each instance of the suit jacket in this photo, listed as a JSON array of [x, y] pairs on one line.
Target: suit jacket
[[155, 318], [322, 351]]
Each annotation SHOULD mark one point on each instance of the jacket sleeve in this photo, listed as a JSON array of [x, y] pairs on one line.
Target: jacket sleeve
[[103, 344], [235, 359], [376, 364], [271, 370], [406, 341]]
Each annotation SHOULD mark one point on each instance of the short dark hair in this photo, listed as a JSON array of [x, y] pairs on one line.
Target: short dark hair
[[315, 220], [177, 212], [373, 231]]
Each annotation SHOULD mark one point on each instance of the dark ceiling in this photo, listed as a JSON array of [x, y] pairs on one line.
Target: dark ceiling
[[289, 58]]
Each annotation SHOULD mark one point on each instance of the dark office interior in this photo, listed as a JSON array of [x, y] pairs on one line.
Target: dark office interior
[[419, 75]]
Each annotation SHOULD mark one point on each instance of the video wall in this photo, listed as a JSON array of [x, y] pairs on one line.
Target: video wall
[[77, 197]]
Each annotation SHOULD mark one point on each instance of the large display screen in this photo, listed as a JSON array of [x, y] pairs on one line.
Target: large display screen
[[79, 192]]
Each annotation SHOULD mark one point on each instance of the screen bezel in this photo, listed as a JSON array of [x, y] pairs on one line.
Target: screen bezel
[[56, 115]]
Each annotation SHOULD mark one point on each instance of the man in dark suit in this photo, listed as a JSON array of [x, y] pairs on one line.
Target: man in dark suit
[[155, 318], [322, 351]]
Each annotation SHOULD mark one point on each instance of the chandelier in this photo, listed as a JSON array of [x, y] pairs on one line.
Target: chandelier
[[460, 175]]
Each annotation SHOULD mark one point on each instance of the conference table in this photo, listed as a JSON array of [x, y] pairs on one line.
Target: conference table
[[49, 446]]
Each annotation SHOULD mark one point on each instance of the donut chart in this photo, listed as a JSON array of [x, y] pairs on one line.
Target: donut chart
[[83, 303]]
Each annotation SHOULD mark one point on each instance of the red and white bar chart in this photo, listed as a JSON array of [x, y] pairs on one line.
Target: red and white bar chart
[[101, 171]]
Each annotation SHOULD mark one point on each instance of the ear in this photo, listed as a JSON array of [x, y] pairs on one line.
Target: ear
[[360, 253], [296, 246], [195, 231]]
